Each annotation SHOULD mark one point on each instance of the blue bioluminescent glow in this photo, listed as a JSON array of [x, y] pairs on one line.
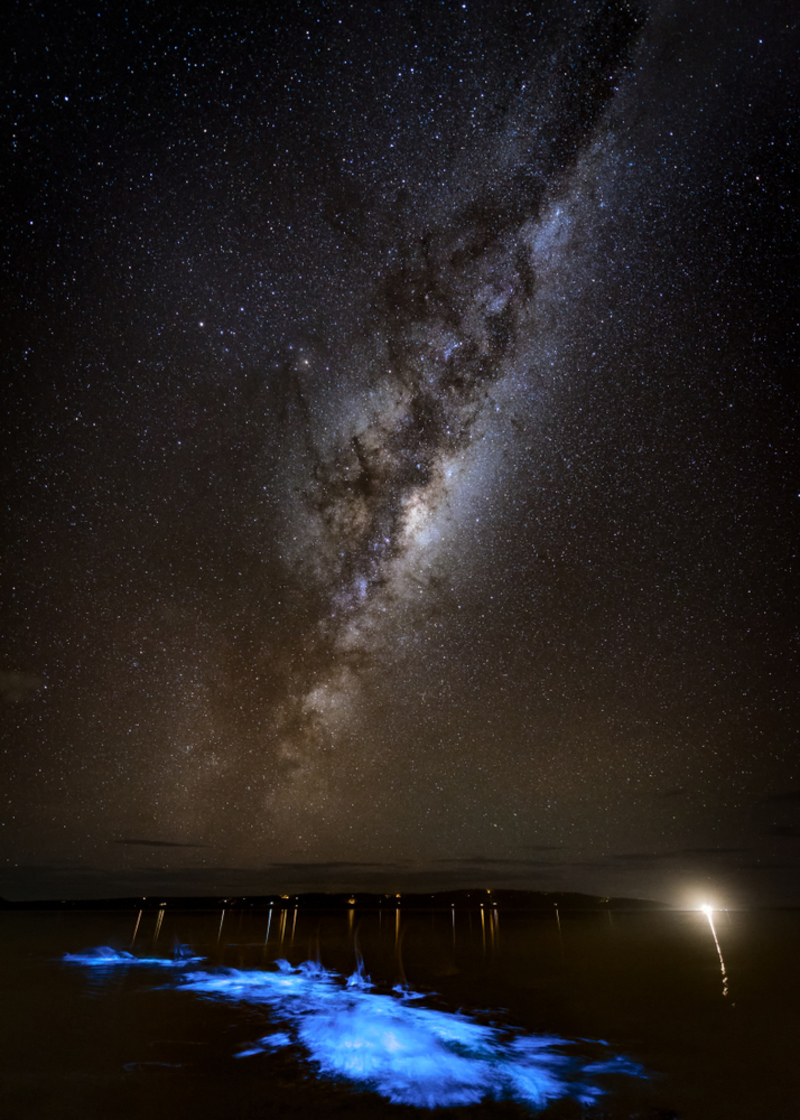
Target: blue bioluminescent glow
[[389, 1043], [106, 957]]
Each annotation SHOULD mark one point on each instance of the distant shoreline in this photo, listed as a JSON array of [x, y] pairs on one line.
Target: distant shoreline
[[473, 899]]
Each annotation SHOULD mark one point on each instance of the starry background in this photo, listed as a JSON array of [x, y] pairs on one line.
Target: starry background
[[401, 473]]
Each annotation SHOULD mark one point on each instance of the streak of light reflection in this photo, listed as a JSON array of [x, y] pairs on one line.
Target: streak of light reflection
[[709, 911]]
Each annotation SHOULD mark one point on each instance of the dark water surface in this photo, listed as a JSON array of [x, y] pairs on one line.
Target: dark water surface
[[141, 1041]]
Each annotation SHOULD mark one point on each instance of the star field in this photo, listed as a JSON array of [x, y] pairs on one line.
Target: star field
[[401, 460]]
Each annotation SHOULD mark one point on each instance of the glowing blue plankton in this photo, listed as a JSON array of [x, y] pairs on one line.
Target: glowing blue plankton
[[105, 957], [411, 1054]]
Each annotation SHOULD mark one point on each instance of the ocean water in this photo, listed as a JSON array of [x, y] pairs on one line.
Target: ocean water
[[295, 1013]]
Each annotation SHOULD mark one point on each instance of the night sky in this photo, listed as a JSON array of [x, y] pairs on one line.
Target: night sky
[[401, 448]]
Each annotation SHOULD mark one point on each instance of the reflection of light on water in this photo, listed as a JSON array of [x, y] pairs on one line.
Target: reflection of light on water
[[708, 911], [159, 920], [560, 935], [392, 1045], [136, 928], [269, 923]]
